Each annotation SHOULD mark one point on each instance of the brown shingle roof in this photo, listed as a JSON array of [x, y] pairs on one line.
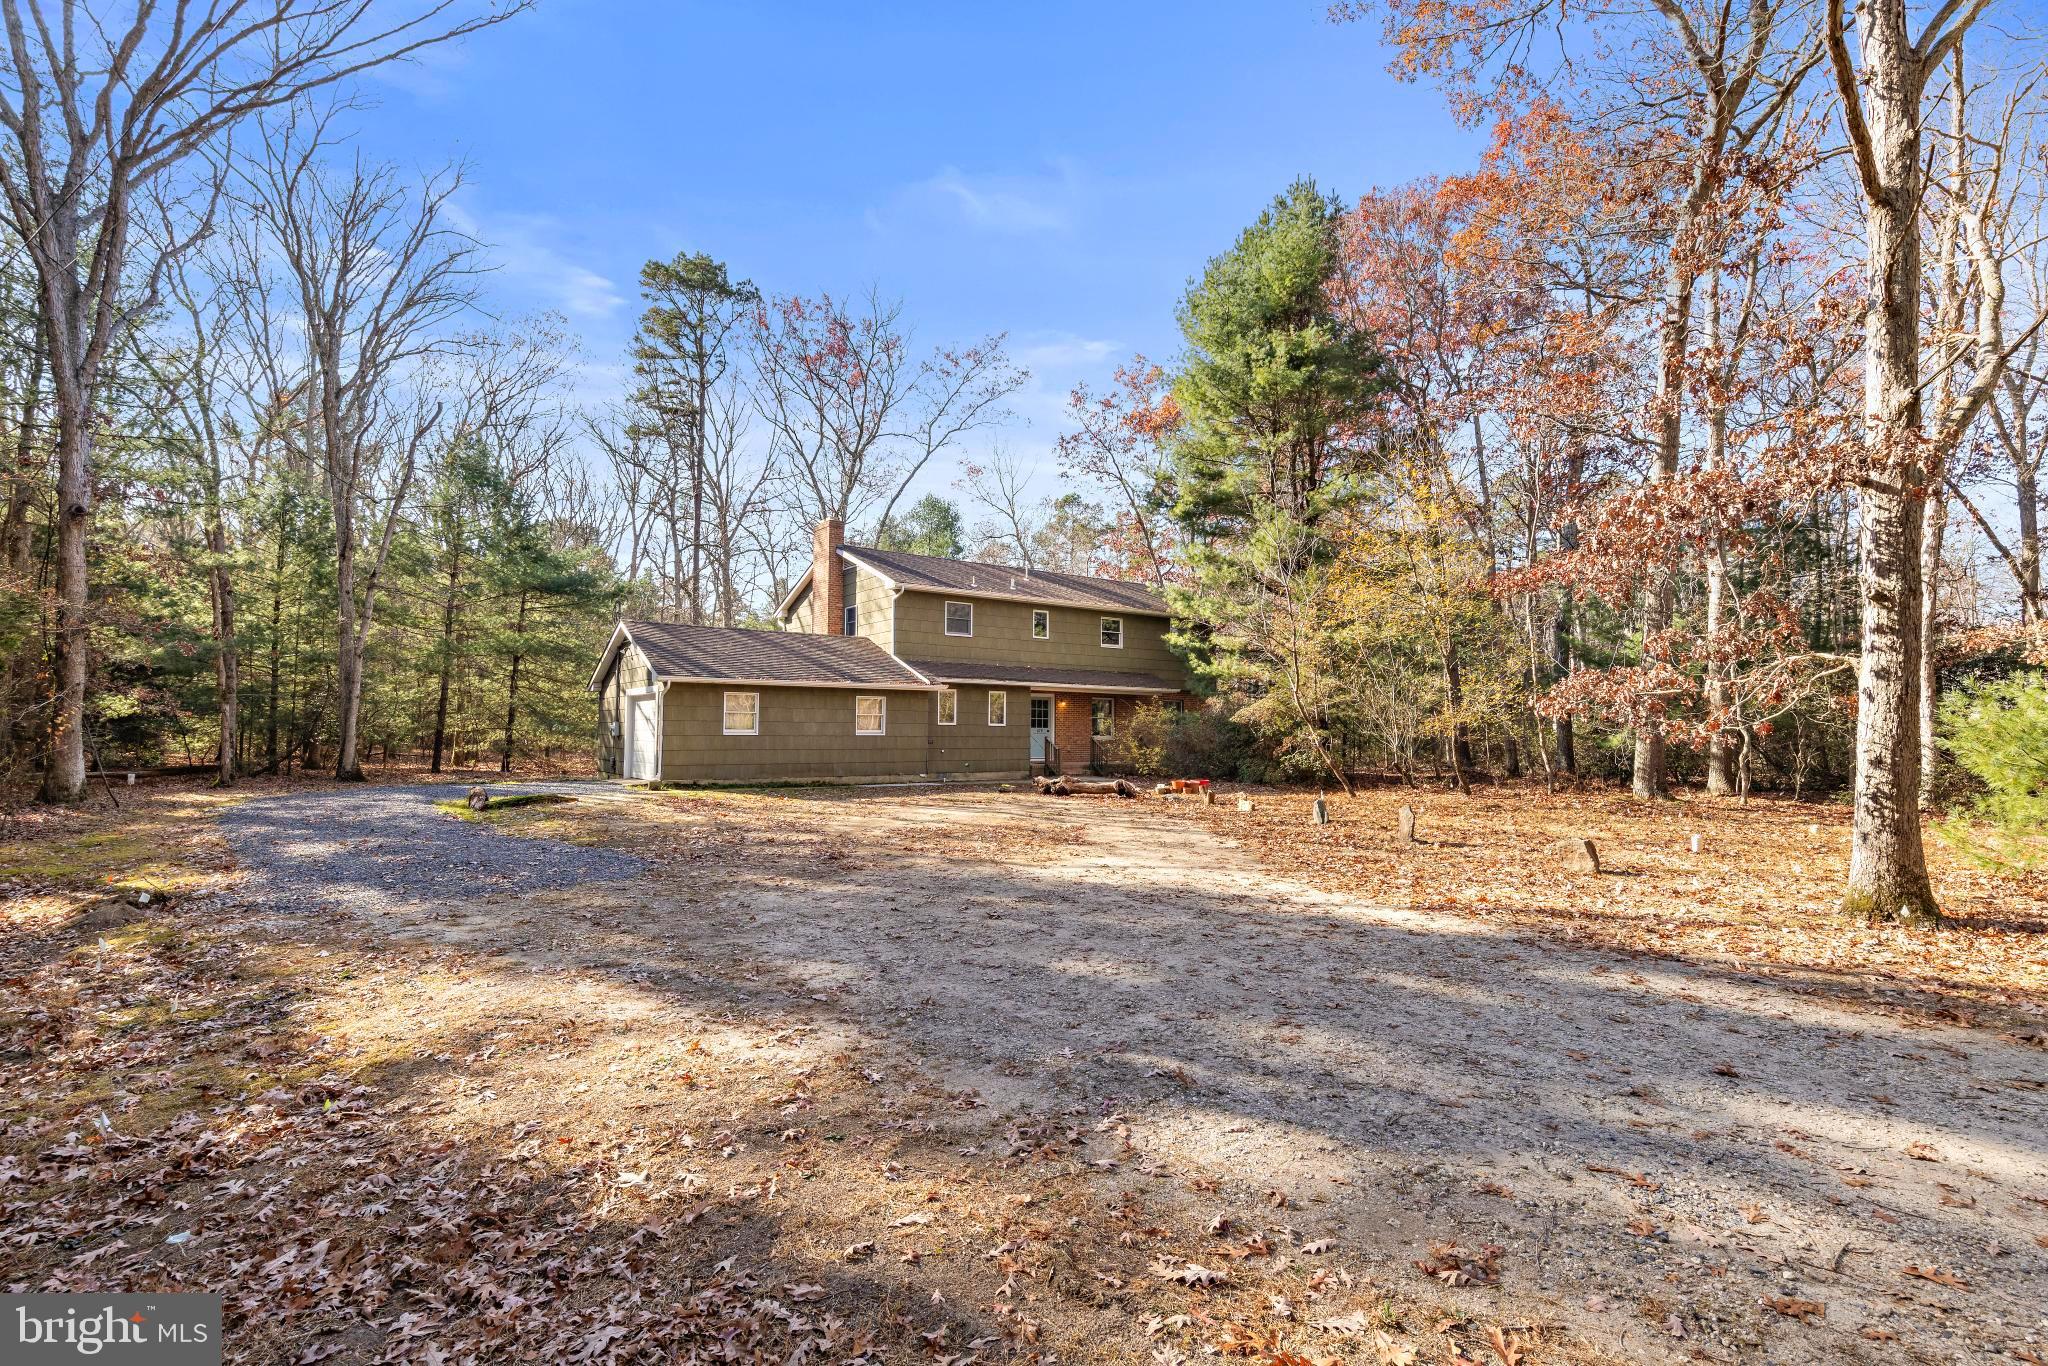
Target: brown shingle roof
[[731, 655], [1072, 680], [970, 578]]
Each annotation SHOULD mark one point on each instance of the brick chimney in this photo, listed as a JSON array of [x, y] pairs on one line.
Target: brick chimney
[[828, 584]]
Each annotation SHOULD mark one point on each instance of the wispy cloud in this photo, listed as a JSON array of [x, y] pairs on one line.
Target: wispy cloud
[[1026, 204], [1063, 351], [524, 247]]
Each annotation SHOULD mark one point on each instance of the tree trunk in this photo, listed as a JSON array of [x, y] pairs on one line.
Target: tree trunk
[[1887, 863], [227, 663], [64, 773], [512, 690], [447, 659], [2029, 509], [1723, 747], [271, 753], [1672, 336], [348, 659], [1454, 694], [1934, 524]]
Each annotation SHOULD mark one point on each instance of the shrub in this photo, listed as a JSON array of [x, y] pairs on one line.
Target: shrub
[[1198, 742], [1998, 733]]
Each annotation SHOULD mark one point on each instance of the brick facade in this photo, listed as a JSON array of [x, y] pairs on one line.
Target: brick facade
[[828, 587]]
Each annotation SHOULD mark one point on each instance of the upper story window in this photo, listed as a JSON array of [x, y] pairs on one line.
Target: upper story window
[[959, 618], [850, 595], [1041, 624], [949, 707], [743, 713], [870, 715], [1113, 633]]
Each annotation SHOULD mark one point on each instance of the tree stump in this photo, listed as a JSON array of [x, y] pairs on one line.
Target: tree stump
[[1244, 803], [1580, 856], [1406, 831], [478, 799], [1322, 810]]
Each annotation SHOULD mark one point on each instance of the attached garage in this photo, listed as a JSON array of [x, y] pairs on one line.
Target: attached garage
[[705, 704]]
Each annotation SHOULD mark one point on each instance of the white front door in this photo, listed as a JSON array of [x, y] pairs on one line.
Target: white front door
[[643, 736], [1041, 726]]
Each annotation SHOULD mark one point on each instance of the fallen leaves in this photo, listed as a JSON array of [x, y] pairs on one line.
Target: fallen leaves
[[1493, 863], [1456, 1267], [1506, 1346], [1806, 1311], [1939, 1277], [1188, 1273]]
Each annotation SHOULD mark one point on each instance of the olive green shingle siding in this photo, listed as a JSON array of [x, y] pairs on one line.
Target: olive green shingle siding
[[1002, 635], [808, 733], [871, 608], [974, 746], [802, 614]]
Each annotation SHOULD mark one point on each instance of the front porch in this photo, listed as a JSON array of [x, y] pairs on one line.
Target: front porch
[[1074, 732]]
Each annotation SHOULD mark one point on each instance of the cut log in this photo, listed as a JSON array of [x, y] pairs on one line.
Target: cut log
[[1244, 803], [1406, 831], [1087, 787]]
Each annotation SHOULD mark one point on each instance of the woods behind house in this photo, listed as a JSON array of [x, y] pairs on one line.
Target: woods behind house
[[1693, 436]]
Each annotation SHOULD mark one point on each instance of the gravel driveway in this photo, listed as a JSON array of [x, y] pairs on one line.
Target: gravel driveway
[[1674, 1161], [388, 849]]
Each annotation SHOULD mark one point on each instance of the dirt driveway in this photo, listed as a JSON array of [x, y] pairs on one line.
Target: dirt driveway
[[1666, 1163]]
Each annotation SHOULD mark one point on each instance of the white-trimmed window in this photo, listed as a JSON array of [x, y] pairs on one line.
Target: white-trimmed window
[[959, 618], [1041, 624], [743, 713], [998, 707], [949, 706], [870, 715], [1112, 633]]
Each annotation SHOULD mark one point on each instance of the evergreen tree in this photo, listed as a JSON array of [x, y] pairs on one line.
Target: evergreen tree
[[1275, 389], [932, 526]]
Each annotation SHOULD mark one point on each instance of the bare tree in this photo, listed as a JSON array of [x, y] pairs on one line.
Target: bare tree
[[100, 107], [1883, 86], [851, 417], [2010, 461], [1013, 520], [377, 276]]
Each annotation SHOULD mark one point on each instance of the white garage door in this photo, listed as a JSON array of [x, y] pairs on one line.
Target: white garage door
[[643, 737]]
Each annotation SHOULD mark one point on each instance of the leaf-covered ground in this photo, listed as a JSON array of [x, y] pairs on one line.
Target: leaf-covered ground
[[1759, 895], [969, 1076]]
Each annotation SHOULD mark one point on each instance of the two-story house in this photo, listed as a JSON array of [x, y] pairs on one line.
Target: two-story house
[[889, 665]]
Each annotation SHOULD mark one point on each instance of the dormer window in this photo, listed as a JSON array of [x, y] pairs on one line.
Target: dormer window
[[959, 618]]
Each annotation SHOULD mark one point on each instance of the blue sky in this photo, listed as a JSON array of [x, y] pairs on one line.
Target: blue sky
[[1052, 170]]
